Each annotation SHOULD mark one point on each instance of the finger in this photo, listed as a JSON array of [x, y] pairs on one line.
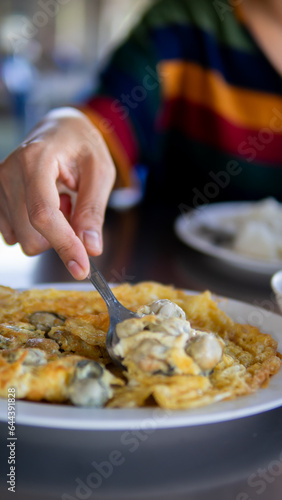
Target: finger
[[43, 204], [95, 184], [15, 224], [31, 241], [7, 231]]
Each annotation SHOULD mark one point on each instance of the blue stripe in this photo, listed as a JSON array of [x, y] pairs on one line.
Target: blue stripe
[[141, 112], [190, 43], [123, 79]]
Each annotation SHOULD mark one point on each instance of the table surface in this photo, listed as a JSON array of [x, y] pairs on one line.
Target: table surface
[[140, 244]]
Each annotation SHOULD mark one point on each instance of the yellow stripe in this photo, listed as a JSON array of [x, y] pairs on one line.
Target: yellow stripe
[[119, 157], [245, 108]]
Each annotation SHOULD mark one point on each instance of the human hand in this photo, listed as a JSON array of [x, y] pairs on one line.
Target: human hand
[[64, 152]]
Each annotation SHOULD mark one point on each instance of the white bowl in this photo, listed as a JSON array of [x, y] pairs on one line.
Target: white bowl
[[276, 285]]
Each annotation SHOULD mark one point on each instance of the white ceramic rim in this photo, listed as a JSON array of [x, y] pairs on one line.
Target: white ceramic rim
[[69, 417]]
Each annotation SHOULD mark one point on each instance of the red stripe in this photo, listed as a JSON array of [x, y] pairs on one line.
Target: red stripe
[[204, 125], [117, 123]]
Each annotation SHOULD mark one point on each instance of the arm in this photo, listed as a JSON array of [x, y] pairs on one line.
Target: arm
[[78, 151]]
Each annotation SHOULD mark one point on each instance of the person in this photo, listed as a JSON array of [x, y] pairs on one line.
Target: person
[[194, 93]]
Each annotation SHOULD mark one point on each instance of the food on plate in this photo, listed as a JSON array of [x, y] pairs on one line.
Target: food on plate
[[257, 232], [159, 344], [182, 352]]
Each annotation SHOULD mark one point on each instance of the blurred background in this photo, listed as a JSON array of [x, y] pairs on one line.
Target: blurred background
[[50, 51]]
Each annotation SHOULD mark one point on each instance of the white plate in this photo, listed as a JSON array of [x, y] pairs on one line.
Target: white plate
[[187, 226], [69, 417]]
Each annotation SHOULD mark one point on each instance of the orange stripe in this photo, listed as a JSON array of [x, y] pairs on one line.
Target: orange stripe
[[208, 88], [119, 157], [239, 13]]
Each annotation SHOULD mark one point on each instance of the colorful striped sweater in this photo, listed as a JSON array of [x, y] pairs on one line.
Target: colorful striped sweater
[[190, 95]]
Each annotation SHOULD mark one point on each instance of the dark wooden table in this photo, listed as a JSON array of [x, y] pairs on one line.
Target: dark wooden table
[[140, 244], [235, 460]]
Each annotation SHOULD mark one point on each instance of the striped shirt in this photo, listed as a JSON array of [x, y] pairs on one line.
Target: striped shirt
[[190, 95]]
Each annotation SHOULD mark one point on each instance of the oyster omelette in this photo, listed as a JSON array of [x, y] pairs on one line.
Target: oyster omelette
[[182, 352]]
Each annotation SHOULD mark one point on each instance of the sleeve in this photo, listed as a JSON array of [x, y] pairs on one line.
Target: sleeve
[[125, 105]]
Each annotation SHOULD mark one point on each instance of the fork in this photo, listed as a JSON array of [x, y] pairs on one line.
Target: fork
[[117, 312]]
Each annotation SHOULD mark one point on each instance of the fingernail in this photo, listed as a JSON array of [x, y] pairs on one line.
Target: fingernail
[[92, 241], [75, 269]]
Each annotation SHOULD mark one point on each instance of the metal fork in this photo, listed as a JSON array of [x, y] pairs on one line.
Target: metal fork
[[117, 312]]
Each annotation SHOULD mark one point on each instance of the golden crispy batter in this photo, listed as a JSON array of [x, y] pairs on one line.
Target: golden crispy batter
[[36, 382], [46, 355], [34, 378], [68, 342]]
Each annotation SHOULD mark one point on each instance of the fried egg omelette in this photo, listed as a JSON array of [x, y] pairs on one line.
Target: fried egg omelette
[[182, 352]]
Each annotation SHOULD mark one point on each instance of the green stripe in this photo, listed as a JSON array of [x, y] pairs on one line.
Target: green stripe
[[216, 17]]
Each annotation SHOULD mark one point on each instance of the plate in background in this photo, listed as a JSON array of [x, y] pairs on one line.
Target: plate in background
[[188, 229]]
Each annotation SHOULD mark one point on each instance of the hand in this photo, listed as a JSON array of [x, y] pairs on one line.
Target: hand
[[65, 152]]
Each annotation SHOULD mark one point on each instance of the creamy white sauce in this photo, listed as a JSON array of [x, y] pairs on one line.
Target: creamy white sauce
[[151, 340]]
